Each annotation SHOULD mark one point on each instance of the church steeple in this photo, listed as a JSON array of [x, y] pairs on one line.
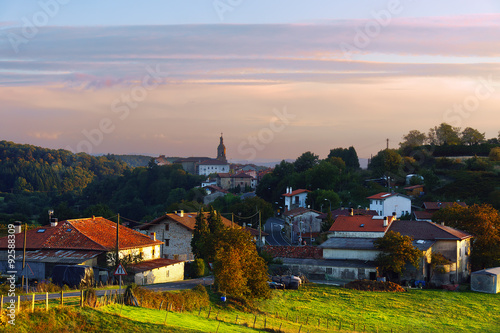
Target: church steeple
[[221, 150]]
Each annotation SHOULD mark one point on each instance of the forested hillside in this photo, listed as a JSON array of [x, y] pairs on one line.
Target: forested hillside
[[31, 168]]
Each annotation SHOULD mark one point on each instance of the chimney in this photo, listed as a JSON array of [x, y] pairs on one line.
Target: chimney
[[153, 236], [386, 221], [442, 223], [351, 212], [53, 221], [394, 216], [180, 213], [18, 227], [291, 189]]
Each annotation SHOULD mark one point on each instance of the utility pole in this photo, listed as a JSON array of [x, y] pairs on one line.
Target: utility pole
[[387, 143], [260, 229], [117, 261]]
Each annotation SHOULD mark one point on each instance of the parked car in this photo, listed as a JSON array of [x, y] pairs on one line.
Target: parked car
[[290, 281], [275, 285]]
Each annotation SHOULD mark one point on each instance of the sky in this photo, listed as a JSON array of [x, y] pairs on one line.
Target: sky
[[277, 78]]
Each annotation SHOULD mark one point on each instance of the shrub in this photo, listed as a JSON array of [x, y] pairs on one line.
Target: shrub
[[369, 285], [198, 268]]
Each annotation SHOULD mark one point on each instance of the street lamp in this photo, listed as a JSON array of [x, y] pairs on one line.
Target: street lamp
[[330, 203]]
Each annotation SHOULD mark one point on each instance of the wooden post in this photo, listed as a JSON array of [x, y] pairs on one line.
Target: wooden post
[[340, 325], [33, 303], [307, 320], [255, 319], [1, 306], [209, 310], [300, 327], [286, 316], [319, 322], [166, 314], [265, 322], [217, 328], [46, 301], [62, 297], [236, 321], [81, 298], [199, 312], [327, 323], [18, 304], [161, 305], [280, 326]]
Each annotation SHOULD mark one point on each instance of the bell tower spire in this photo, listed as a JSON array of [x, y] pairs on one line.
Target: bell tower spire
[[221, 150]]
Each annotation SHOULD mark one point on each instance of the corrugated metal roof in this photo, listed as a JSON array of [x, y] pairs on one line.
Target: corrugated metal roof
[[349, 243], [59, 256]]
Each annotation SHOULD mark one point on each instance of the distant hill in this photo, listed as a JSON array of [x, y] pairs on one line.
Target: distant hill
[[30, 168], [132, 161]]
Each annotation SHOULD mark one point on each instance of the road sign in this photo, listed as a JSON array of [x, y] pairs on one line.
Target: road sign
[[120, 270]]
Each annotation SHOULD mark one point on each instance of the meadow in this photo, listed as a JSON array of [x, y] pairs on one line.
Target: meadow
[[313, 308]]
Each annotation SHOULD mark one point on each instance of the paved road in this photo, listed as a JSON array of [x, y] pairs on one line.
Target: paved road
[[178, 285], [273, 228]]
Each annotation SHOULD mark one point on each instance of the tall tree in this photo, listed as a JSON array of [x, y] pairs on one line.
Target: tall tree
[[348, 155], [471, 136], [386, 162], [444, 134], [306, 161], [200, 234], [414, 138], [397, 251]]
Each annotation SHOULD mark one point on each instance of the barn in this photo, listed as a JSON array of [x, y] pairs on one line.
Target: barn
[[486, 280]]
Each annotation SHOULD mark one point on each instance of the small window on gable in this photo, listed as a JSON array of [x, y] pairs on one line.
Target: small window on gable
[[167, 226]]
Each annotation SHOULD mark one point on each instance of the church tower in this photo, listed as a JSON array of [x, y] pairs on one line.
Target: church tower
[[221, 151]]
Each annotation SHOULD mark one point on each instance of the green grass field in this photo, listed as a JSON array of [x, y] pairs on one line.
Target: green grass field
[[310, 309]]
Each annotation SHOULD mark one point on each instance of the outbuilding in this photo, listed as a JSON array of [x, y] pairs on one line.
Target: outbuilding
[[486, 280]]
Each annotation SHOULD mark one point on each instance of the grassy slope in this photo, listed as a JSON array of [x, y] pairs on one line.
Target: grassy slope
[[414, 311]]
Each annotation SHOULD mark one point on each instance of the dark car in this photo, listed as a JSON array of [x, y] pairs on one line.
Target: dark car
[[275, 285]]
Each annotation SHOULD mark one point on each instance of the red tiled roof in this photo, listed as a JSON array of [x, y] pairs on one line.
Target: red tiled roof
[[436, 205], [152, 264], [422, 215], [96, 234], [299, 191], [188, 220], [360, 223], [255, 232], [427, 230]]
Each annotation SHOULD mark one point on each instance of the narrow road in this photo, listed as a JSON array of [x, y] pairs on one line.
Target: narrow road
[[177, 285], [273, 227]]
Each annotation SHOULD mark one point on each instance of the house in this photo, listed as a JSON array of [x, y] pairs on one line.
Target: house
[[304, 222], [387, 203], [295, 199], [190, 164], [157, 271], [430, 207], [175, 231], [228, 181], [430, 237], [211, 166], [255, 235], [162, 160], [88, 241]]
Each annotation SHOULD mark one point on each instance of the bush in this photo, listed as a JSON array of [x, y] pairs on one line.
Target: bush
[[188, 300], [198, 268]]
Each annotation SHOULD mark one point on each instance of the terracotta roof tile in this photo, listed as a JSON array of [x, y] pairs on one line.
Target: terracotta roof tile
[[436, 205], [96, 234], [360, 223], [299, 191]]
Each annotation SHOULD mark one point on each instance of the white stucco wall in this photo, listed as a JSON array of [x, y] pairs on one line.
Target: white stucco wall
[[168, 273], [385, 207]]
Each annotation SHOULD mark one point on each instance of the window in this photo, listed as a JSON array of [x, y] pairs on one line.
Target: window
[[167, 242], [168, 273], [167, 226], [153, 252]]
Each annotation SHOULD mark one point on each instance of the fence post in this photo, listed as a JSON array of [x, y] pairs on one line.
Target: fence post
[[217, 328], [33, 303], [255, 319], [340, 325], [236, 321], [81, 298], [161, 305], [62, 297], [327, 323], [300, 327], [46, 301], [209, 310], [199, 312], [166, 314], [18, 304], [1, 306]]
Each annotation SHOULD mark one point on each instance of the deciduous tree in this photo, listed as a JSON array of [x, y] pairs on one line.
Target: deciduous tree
[[397, 251]]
